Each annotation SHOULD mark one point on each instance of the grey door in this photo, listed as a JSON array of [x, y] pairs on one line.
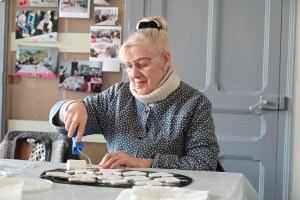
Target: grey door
[[231, 50]]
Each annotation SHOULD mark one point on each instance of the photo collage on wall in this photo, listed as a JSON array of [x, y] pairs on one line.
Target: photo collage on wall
[[40, 25], [105, 38], [104, 46]]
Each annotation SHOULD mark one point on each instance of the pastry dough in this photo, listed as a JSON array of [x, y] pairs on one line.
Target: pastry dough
[[168, 180], [160, 174], [134, 173], [136, 178], [115, 181], [110, 176], [76, 164]]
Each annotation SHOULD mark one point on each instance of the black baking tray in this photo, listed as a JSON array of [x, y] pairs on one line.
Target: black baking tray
[[184, 180]]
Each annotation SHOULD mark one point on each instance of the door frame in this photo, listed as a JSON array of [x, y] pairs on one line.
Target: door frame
[[4, 19], [285, 130]]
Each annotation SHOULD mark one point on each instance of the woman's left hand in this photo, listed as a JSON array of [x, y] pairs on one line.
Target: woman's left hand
[[116, 159]]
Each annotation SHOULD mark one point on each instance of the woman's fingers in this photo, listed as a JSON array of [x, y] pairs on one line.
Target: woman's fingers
[[113, 160], [72, 128], [116, 162], [80, 132], [75, 116], [106, 158]]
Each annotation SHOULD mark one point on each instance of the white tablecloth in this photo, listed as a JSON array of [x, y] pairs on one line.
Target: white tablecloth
[[221, 185]]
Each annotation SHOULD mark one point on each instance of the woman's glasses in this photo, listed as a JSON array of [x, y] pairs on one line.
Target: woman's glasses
[[141, 64]]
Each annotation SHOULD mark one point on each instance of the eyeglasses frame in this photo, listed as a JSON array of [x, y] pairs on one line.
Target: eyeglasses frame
[[128, 70]]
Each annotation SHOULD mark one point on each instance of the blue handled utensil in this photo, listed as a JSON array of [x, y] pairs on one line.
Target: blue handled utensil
[[77, 146]]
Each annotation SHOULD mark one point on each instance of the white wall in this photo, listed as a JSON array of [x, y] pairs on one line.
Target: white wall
[[295, 176]]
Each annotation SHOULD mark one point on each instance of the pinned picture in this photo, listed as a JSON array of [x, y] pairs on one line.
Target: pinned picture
[[37, 3], [102, 2], [106, 16], [80, 76], [36, 26], [105, 42], [36, 61], [74, 8]]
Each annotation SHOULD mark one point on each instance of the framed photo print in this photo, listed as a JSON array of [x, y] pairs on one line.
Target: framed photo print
[[74, 8], [102, 2], [37, 3], [36, 61], [105, 42], [36, 26], [80, 75], [106, 16]]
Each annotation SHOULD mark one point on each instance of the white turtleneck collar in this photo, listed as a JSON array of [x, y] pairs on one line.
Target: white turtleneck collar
[[168, 84]]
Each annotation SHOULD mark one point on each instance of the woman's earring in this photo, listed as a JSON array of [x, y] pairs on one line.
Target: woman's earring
[[165, 68]]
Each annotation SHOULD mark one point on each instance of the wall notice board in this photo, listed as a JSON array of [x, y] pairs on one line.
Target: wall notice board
[[31, 98]]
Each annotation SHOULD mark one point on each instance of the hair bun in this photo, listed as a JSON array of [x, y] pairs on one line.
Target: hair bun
[[161, 22]]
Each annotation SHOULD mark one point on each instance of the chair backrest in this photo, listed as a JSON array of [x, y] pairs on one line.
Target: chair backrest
[[23, 150], [219, 167], [55, 147]]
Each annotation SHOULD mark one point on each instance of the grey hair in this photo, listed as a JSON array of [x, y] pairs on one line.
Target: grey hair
[[21, 15], [47, 14], [156, 41]]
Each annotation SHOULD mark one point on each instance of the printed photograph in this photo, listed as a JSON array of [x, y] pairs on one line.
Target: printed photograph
[[36, 26], [74, 8], [102, 2], [106, 16], [36, 61], [80, 75], [105, 42], [37, 3]]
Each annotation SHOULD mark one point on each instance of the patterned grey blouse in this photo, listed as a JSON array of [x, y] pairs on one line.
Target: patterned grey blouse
[[178, 132]]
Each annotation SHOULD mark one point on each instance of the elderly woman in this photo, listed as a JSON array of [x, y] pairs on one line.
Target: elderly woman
[[155, 120], [22, 28], [45, 26]]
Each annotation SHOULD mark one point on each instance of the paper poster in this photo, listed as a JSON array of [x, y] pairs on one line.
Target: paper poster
[[80, 75], [74, 8], [106, 16], [37, 3], [36, 26], [36, 61], [105, 42]]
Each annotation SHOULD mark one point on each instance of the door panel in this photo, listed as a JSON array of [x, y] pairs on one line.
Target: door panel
[[234, 47], [231, 51], [243, 122], [188, 39]]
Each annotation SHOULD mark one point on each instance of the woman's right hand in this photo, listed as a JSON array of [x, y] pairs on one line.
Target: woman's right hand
[[75, 116]]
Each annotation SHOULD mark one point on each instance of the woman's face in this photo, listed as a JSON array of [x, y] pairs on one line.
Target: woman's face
[[146, 81], [22, 19], [47, 18]]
